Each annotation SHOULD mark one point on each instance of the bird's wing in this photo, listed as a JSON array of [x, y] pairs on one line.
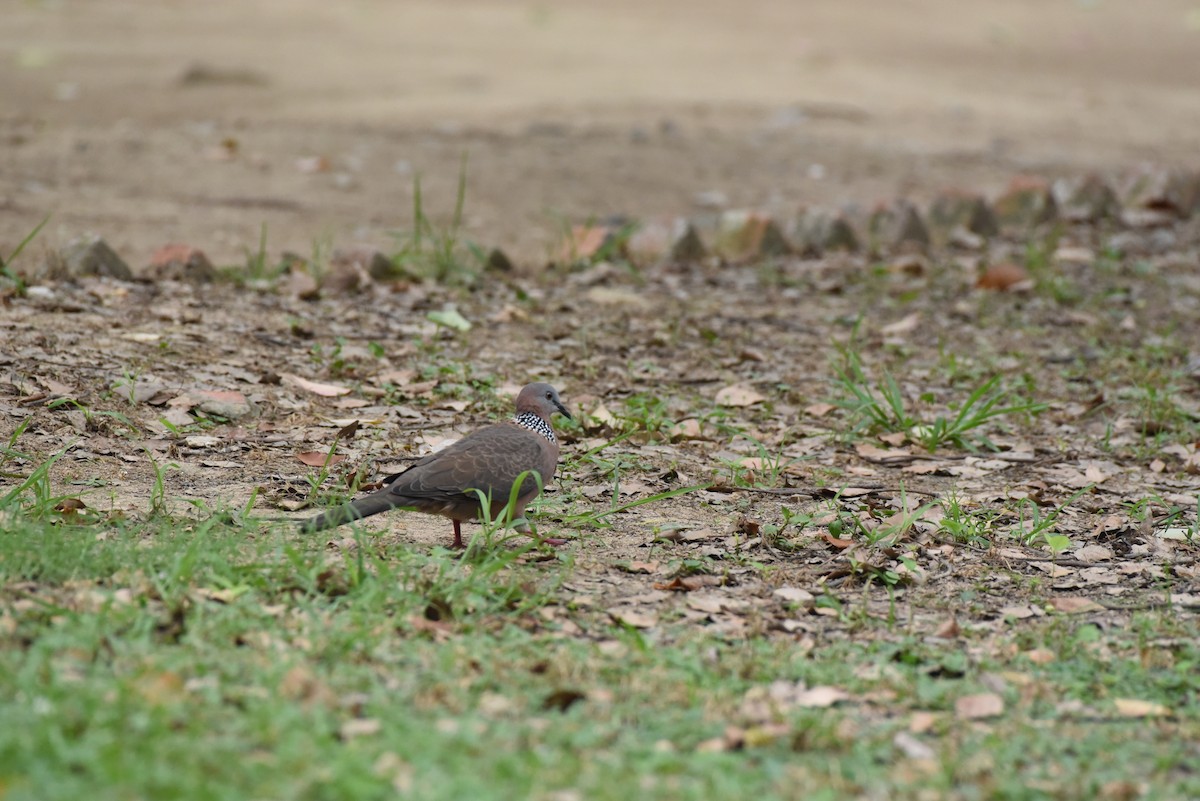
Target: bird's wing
[[489, 460]]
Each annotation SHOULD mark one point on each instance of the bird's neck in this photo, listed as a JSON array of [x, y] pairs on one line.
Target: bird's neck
[[535, 423]]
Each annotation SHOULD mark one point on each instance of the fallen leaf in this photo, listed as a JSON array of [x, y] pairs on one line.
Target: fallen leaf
[[911, 746], [312, 164], [70, 506], [819, 409], [1004, 276], [600, 415], [320, 458], [1093, 553], [1040, 656], [316, 388], [200, 441], [794, 595], [699, 535], [873, 453], [583, 242], [450, 318], [1136, 708], [835, 542], [160, 687], [1186, 600], [766, 734], [948, 630], [921, 722], [634, 618], [977, 707], [902, 326], [709, 604], [563, 699], [821, 697], [712, 745], [1074, 605], [689, 428], [739, 395], [677, 584], [360, 727]]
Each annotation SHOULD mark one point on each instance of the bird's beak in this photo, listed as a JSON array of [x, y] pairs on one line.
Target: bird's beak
[[563, 410]]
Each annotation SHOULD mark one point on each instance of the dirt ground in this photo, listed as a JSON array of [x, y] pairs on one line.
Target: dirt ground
[[157, 123], [151, 123]]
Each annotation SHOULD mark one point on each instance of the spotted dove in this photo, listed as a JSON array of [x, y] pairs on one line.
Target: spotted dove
[[489, 460]]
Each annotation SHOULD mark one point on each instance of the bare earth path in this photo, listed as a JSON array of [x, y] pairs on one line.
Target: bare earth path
[[150, 123]]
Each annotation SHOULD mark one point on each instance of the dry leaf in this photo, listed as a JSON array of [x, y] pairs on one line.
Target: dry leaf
[[794, 595], [873, 453], [160, 687], [583, 242], [689, 428], [1040, 656], [739, 395], [562, 699], [911, 746], [819, 409], [1093, 553], [320, 458], [1136, 708], [70, 506], [677, 584], [821, 697], [902, 326], [921, 722], [835, 542], [324, 390], [977, 707], [948, 630], [360, 727], [1075, 605], [1004, 276], [709, 604], [635, 618]]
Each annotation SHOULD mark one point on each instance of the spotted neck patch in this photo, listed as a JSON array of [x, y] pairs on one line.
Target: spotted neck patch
[[537, 425]]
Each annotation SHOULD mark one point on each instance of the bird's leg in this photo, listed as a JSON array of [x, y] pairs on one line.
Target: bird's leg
[[458, 543]]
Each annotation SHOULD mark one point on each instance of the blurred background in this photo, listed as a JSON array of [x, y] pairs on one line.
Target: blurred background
[[153, 122]]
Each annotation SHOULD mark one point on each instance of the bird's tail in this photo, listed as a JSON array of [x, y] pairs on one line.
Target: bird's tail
[[347, 512]]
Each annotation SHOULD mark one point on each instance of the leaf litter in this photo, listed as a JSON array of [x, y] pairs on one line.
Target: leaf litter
[[793, 519]]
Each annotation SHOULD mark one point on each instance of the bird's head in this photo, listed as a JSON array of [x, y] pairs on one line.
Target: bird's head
[[542, 400]]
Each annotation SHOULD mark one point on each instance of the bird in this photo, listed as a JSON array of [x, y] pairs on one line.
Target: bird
[[488, 460]]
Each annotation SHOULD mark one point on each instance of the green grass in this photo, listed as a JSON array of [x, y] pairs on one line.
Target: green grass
[[880, 405], [6, 273], [439, 252], [196, 664], [174, 658]]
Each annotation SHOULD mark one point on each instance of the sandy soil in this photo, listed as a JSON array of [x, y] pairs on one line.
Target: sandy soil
[[156, 122]]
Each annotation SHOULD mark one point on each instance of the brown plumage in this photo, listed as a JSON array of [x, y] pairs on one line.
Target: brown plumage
[[489, 459]]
